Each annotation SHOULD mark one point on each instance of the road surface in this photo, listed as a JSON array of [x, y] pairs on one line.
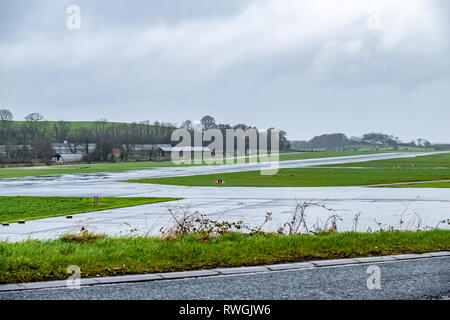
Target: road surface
[[408, 279]]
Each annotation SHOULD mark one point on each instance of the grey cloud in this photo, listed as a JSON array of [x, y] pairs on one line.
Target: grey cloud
[[282, 63]]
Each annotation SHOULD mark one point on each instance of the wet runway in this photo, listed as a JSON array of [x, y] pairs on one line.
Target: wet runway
[[377, 207]]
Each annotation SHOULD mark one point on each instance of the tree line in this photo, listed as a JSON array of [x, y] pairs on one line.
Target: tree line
[[32, 139], [373, 139], [208, 122]]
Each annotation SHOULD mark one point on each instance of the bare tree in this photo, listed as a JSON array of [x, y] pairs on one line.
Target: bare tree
[[35, 116], [187, 125], [5, 115], [81, 137], [36, 126], [208, 122], [61, 130]]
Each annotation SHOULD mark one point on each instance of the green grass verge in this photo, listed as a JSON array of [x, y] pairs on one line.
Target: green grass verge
[[365, 147], [35, 260], [13, 209], [424, 185], [323, 154], [307, 177], [125, 166]]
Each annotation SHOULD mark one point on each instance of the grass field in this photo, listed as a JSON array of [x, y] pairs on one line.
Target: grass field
[[307, 177], [322, 154], [426, 168], [365, 147], [124, 166], [432, 161], [36, 260], [81, 168], [424, 185], [73, 124], [13, 209]]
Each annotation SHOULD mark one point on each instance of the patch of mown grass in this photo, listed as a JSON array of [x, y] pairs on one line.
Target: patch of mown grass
[[441, 160], [35, 260], [424, 185], [323, 154], [306, 177], [83, 168], [17, 208]]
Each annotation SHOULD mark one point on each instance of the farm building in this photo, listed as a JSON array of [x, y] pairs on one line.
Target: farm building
[[67, 157]]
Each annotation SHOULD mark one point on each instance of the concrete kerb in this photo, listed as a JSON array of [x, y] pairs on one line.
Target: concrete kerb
[[221, 271]]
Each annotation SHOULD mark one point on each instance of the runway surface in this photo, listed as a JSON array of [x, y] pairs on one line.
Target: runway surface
[[406, 208]]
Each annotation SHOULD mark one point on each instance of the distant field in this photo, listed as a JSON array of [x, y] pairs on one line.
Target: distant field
[[73, 124], [307, 177], [433, 161], [424, 185], [423, 168], [124, 166], [323, 154], [13, 209], [365, 147]]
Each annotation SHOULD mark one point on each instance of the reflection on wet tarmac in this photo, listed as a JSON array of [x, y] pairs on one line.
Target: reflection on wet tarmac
[[376, 205]]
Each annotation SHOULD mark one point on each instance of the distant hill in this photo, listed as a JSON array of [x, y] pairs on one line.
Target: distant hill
[[325, 141], [334, 140], [370, 141]]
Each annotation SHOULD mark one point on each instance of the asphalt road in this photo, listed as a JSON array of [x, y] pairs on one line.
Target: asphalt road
[[407, 279]]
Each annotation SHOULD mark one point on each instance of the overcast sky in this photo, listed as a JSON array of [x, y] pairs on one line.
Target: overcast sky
[[309, 67]]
